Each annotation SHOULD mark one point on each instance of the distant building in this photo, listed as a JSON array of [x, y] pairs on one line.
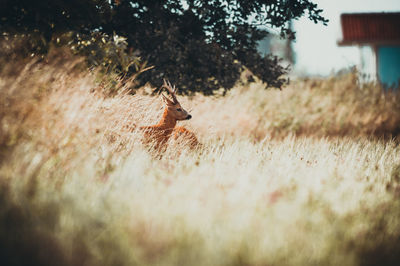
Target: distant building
[[378, 36], [275, 45]]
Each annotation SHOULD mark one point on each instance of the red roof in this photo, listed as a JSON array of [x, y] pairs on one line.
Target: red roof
[[370, 28]]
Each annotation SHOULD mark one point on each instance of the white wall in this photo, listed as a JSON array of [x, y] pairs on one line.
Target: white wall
[[316, 47]]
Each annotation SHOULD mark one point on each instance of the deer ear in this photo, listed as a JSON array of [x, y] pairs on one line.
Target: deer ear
[[166, 100]]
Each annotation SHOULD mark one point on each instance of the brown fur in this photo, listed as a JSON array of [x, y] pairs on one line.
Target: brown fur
[[186, 136]]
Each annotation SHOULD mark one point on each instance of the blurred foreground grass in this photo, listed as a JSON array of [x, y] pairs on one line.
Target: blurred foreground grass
[[303, 176]]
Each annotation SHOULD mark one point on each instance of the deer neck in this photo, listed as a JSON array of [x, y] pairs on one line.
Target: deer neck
[[167, 121]]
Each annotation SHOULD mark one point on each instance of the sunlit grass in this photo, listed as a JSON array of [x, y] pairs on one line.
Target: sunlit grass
[[79, 188]]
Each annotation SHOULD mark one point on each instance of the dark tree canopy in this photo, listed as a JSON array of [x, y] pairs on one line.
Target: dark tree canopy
[[197, 45]]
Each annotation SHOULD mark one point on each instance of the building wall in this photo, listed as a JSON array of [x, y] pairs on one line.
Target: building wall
[[274, 44], [389, 66], [367, 64]]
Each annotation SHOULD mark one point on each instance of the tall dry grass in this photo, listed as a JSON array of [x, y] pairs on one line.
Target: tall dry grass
[[337, 106], [288, 177]]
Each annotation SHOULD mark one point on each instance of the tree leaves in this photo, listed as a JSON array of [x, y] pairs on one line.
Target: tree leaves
[[201, 46]]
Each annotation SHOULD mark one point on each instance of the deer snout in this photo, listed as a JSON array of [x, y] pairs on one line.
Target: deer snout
[[188, 117]]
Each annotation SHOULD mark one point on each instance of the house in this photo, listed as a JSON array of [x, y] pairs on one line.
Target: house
[[378, 36], [276, 45]]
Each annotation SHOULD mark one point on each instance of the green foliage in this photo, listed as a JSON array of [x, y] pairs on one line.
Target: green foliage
[[21, 45], [110, 53], [32, 28], [204, 45], [49, 17], [201, 46], [102, 50]]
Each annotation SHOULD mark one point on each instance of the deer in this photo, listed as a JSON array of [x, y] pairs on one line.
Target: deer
[[160, 133]]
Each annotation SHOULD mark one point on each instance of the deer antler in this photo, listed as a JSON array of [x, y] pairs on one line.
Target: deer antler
[[171, 90]]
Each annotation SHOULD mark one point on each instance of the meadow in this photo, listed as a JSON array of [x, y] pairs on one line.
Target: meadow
[[309, 175]]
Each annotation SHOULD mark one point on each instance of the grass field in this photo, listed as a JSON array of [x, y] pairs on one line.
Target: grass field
[[309, 175]]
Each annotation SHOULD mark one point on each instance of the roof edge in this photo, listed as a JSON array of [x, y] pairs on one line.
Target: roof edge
[[370, 13], [368, 42]]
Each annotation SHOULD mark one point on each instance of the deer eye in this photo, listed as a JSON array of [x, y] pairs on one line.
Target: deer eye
[[179, 109]]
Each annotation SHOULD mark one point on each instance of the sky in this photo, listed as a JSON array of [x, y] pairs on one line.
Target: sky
[[317, 52]]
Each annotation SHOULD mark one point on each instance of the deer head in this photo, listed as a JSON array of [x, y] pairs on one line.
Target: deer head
[[174, 107]]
